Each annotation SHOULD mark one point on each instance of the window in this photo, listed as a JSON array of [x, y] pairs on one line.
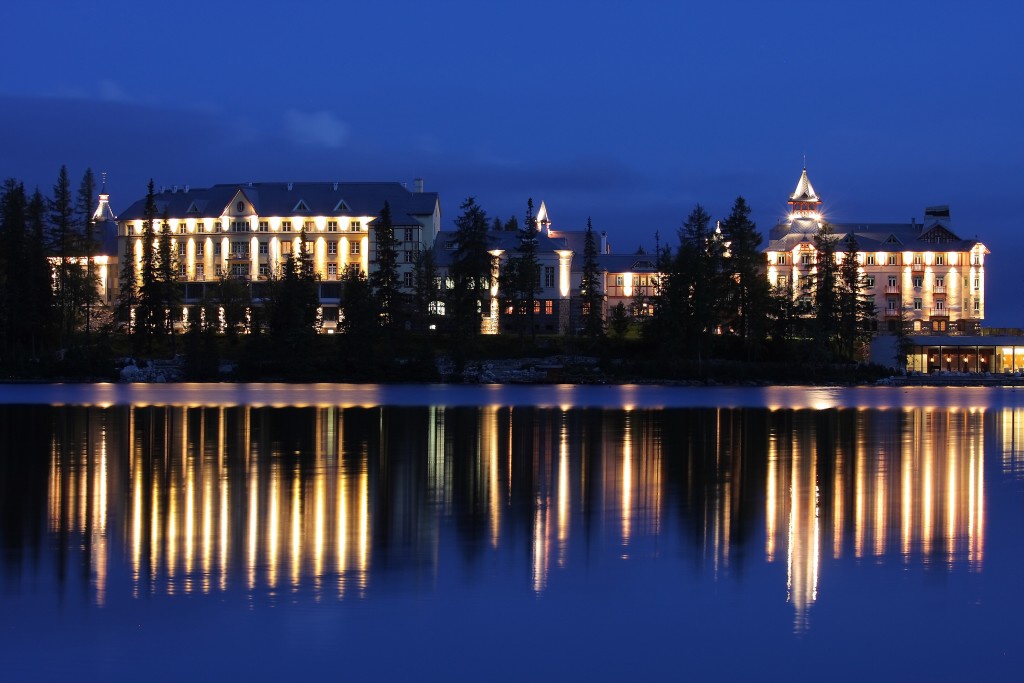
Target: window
[[200, 271], [917, 304], [536, 307], [181, 249], [780, 259], [549, 276], [436, 307], [977, 283], [332, 226], [332, 269], [939, 305], [410, 257], [264, 270], [332, 247], [240, 248], [940, 259], [449, 244], [805, 259], [977, 305], [918, 281], [201, 226], [240, 269], [869, 281], [917, 259], [354, 248], [181, 228], [618, 280], [870, 259], [286, 247], [892, 280], [309, 225], [286, 226], [264, 226], [239, 226], [240, 207], [407, 278], [355, 226], [409, 235], [892, 259], [940, 281], [892, 304], [783, 281], [181, 270], [549, 307], [200, 248], [216, 249], [264, 248], [218, 227], [218, 271]]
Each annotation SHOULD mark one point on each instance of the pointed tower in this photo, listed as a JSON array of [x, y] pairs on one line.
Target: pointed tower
[[543, 222], [103, 211], [804, 202]]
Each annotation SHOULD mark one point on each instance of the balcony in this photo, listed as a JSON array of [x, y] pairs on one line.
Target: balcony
[[892, 312], [939, 289], [892, 289], [917, 267], [938, 312]]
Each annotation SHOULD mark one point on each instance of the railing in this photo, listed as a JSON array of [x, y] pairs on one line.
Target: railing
[[940, 289], [917, 267], [939, 312], [892, 313], [892, 289]]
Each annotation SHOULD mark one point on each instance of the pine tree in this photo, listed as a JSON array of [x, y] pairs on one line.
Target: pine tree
[[746, 288], [37, 288], [148, 312], [425, 290], [470, 272], [90, 293], [384, 280], [591, 294], [128, 289], [856, 307], [826, 291], [520, 282], [167, 274], [63, 240], [701, 267]]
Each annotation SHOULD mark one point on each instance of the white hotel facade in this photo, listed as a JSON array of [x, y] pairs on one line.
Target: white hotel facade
[[922, 275]]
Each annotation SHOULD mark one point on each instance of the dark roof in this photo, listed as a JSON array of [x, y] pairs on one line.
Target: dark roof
[[506, 241], [283, 199], [933, 236]]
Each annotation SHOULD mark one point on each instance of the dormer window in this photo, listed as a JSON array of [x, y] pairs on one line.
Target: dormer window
[[240, 207]]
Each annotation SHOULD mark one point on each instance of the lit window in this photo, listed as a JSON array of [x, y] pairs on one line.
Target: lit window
[[332, 269], [549, 307]]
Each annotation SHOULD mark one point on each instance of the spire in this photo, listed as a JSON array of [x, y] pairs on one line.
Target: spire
[[103, 211], [804, 191], [543, 222], [804, 202]]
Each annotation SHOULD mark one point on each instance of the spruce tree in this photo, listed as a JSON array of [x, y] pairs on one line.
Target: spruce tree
[[746, 288], [591, 294], [425, 291], [384, 280], [470, 272], [86, 218], [167, 274], [520, 282], [37, 288], [826, 291], [150, 306], [63, 241], [856, 307]]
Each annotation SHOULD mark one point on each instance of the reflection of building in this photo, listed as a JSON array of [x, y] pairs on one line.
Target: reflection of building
[[919, 274], [247, 231]]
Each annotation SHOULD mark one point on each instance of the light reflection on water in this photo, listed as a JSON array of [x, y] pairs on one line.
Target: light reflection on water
[[333, 504]]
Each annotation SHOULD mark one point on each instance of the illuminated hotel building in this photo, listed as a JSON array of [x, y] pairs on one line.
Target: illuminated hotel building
[[248, 231], [922, 274]]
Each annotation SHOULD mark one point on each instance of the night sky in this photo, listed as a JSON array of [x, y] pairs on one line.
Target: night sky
[[627, 112]]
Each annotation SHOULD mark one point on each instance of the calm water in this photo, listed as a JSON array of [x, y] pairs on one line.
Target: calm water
[[488, 533]]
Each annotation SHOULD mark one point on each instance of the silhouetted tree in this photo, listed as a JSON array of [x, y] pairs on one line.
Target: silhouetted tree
[[591, 293]]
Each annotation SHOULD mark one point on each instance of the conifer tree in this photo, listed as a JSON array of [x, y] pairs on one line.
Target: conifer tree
[[167, 274], [37, 289], [826, 291], [746, 288], [425, 290], [150, 306], [470, 272], [384, 280], [520, 282], [63, 240], [856, 309], [591, 294], [90, 293]]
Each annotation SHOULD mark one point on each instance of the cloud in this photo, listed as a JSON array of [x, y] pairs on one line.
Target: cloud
[[320, 128]]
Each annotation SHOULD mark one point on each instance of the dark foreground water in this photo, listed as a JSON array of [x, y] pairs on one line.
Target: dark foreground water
[[544, 533]]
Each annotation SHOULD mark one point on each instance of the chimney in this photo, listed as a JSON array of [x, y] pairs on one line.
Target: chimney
[[290, 186], [604, 242], [418, 184]]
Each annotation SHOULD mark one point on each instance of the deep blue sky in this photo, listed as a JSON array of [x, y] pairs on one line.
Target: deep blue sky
[[628, 112]]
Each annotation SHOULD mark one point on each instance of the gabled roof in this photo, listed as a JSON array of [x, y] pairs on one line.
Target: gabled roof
[[804, 192]]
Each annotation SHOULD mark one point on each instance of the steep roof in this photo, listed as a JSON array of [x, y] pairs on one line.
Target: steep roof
[[294, 199], [804, 191]]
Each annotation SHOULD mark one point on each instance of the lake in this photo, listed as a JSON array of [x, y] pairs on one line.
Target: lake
[[503, 533]]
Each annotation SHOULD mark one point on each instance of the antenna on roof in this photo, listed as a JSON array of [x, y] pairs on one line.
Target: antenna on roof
[[805, 161]]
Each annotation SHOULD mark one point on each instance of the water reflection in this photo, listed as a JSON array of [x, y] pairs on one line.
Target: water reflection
[[328, 502]]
